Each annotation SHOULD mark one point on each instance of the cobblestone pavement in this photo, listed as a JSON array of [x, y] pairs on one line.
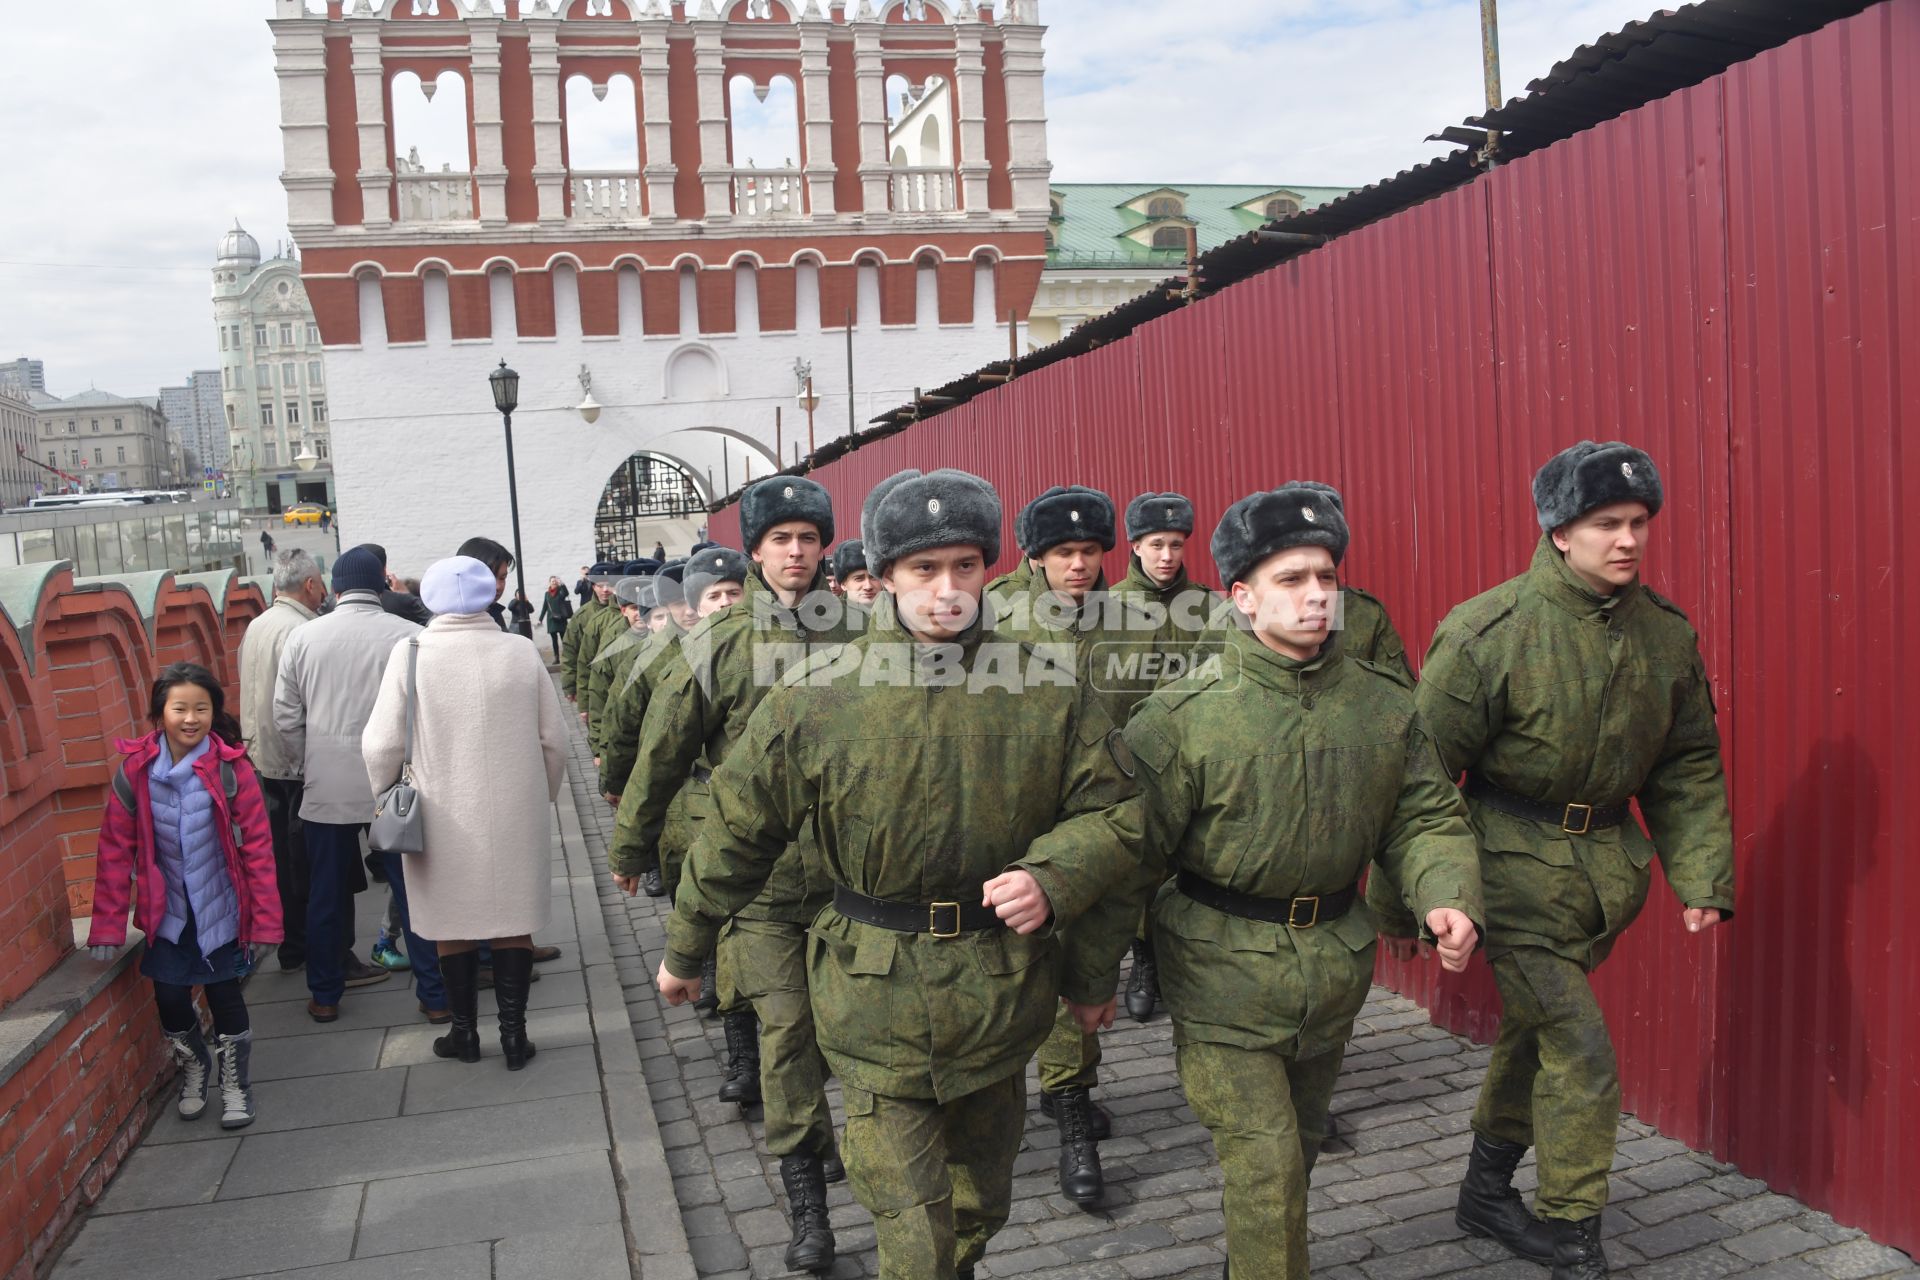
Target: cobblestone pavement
[[1381, 1207]]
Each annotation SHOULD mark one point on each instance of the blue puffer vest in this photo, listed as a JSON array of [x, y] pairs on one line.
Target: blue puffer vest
[[186, 837]]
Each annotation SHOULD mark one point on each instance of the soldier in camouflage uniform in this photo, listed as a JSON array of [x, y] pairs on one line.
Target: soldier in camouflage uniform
[[964, 790], [627, 709], [1367, 632], [587, 620], [1563, 694], [696, 716], [1062, 599], [1158, 526], [634, 598], [1269, 779], [852, 580]]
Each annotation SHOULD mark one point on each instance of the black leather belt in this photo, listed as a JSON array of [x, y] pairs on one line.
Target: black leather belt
[[1574, 819], [940, 919], [1296, 913]]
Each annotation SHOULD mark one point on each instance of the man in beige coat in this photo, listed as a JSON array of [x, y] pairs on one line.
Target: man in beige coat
[[298, 593], [489, 755]]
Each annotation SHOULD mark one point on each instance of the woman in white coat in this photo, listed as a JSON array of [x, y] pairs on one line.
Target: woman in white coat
[[489, 753]]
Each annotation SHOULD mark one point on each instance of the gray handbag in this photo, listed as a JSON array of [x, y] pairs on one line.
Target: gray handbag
[[397, 825]]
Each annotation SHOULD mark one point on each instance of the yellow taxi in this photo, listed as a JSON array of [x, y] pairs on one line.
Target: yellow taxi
[[305, 513]]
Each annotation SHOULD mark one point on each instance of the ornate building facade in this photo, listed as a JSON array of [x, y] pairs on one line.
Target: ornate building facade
[[272, 380], [656, 309]]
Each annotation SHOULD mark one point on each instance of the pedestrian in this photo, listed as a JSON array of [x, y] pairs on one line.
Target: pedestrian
[[584, 587], [1062, 599], [499, 562], [398, 596], [851, 577], [1564, 694], [266, 544], [486, 797], [520, 610], [184, 835], [330, 672], [932, 978], [1269, 781], [298, 593], [700, 712], [556, 609], [326, 519], [660, 551]]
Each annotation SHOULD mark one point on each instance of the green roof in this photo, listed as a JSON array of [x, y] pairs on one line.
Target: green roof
[[1091, 231]]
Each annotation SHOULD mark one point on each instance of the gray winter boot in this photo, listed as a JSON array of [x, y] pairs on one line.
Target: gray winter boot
[[236, 1081], [189, 1049]]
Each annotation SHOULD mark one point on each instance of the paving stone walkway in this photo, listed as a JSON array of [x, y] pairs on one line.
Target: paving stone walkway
[[1381, 1207]]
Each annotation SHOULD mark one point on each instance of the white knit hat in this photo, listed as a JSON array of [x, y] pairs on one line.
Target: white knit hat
[[458, 584]]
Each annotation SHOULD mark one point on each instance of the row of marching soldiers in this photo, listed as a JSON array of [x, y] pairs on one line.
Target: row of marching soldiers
[[911, 830]]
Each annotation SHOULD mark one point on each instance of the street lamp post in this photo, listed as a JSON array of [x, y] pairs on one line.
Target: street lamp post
[[506, 398]]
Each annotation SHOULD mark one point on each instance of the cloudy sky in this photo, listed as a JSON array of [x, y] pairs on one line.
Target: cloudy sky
[[128, 157]]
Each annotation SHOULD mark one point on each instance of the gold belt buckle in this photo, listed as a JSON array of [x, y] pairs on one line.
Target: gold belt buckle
[[1293, 913], [1586, 820], [933, 919]]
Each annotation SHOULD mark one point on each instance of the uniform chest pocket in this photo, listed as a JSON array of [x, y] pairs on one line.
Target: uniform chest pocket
[[1003, 952]]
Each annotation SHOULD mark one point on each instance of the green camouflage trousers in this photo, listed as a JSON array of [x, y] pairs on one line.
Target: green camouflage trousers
[[764, 964], [1267, 1114], [937, 1177], [676, 838], [1069, 1058], [1553, 1084]]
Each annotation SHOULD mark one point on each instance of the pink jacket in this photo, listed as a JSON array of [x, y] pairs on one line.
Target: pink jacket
[[127, 850]]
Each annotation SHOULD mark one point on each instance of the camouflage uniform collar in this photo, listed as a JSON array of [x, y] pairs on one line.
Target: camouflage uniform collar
[[885, 624], [1560, 585], [1090, 606], [1289, 675], [763, 601]]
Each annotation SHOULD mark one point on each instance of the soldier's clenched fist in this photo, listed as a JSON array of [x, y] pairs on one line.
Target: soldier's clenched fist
[[1017, 898], [676, 990], [1454, 937]]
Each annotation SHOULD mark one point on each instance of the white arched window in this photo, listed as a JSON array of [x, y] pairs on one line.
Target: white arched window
[[1165, 207]]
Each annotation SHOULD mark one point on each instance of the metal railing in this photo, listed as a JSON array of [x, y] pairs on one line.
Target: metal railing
[[768, 193], [923, 189], [434, 197], [606, 197]]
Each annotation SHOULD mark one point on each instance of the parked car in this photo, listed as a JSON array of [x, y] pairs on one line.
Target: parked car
[[305, 513]]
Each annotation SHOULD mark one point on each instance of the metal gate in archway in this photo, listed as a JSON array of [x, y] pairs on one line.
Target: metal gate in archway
[[644, 488]]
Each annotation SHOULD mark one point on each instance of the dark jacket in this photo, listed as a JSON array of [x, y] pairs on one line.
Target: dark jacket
[[556, 608], [404, 604]]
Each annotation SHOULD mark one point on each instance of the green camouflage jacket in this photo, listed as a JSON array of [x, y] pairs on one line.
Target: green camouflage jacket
[[1120, 642], [1368, 634], [925, 771], [627, 706], [607, 672], [699, 709], [1554, 692], [586, 619], [1277, 778]]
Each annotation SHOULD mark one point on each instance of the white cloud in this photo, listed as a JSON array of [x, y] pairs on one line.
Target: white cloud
[[138, 130]]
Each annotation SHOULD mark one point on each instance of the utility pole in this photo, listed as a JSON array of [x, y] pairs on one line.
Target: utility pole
[[1490, 70]]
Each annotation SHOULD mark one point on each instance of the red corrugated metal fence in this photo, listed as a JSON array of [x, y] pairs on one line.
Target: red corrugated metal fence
[[1729, 277]]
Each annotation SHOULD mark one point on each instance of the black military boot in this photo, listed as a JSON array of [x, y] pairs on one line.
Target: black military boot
[[1490, 1207], [1577, 1254], [651, 884], [709, 985], [1080, 1178], [512, 975], [1143, 985], [832, 1167], [1099, 1120], [811, 1248], [742, 1084]]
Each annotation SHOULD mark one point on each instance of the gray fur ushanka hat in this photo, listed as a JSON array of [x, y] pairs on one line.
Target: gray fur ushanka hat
[[716, 564], [1069, 513], [914, 511], [1588, 475], [778, 499], [849, 557], [1152, 513], [1297, 514]]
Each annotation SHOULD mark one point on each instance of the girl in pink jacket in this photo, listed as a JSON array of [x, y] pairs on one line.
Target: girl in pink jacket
[[184, 834]]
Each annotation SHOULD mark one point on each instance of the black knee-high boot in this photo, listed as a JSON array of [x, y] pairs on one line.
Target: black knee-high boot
[[512, 975], [461, 974]]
